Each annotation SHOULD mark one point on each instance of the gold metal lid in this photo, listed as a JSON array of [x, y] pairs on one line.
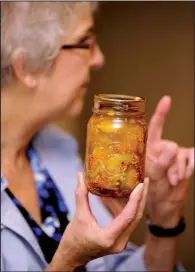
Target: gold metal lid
[[119, 104]]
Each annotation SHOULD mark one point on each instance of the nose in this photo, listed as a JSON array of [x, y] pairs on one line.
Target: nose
[[98, 59]]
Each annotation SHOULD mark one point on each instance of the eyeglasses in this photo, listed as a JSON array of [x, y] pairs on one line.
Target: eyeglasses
[[88, 43], [75, 46]]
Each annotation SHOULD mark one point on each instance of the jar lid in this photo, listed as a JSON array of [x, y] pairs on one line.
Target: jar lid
[[121, 104]]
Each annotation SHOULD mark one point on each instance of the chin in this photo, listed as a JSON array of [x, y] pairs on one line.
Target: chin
[[76, 109], [73, 112]]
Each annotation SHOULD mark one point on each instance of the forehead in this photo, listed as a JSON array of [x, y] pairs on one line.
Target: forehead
[[81, 23]]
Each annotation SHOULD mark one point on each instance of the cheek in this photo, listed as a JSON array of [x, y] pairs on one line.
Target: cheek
[[65, 82], [71, 71]]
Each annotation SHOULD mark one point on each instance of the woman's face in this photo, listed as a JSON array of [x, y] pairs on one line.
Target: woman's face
[[61, 93]]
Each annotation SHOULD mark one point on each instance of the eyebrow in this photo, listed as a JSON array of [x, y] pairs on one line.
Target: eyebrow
[[82, 37]]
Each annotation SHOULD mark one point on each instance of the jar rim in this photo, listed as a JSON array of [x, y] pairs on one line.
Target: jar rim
[[119, 98]]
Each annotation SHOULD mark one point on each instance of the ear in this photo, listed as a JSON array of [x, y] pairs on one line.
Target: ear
[[27, 79]]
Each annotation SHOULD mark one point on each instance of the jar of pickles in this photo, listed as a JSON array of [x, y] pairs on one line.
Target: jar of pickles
[[116, 145]]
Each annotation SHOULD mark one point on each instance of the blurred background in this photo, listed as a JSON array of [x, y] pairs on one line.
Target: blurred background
[[149, 50]]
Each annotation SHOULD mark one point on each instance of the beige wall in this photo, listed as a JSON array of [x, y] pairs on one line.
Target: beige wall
[[149, 50]]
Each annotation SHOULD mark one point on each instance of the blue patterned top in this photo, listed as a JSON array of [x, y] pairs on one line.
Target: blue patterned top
[[53, 208]]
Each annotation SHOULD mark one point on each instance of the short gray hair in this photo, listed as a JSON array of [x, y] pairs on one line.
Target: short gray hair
[[35, 30]]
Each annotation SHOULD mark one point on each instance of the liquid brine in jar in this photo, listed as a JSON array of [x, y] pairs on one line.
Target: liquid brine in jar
[[116, 145]]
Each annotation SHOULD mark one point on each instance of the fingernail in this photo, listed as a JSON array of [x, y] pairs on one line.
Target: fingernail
[[174, 180], [80, 175], [146, 180], [146, 183], [166, 98]]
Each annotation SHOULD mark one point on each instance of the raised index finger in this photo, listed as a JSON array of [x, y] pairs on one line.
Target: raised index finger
[[156, 125]]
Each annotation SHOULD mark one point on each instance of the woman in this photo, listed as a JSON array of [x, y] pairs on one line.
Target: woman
[[48, 51]]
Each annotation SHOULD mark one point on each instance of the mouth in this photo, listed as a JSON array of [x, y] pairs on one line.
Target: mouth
[[84, 88], [85, 85]]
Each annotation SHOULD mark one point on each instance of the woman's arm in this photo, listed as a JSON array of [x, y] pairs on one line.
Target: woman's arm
[[161, 253], [164, 207], [83, 240]]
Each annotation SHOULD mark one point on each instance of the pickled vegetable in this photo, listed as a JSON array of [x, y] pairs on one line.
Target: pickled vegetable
[[115, 154]]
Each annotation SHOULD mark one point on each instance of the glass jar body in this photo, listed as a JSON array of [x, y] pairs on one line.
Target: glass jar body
[[115, 154]]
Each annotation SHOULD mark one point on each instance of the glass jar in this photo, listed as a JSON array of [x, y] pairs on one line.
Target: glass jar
[[116, 145]]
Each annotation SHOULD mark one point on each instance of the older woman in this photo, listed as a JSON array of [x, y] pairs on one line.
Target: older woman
[[48, 50]]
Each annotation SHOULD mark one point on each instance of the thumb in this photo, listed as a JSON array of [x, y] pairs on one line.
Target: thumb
[[81, 196], [129, 213], [139, 214]]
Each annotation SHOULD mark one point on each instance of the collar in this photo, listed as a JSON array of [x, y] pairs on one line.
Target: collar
[[50, 137], [3, 184]]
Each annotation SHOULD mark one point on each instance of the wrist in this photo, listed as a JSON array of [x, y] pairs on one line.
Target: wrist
[[167, 232], [165, 221], [60, 266], [62, 263], [160, 253], [159, 241]]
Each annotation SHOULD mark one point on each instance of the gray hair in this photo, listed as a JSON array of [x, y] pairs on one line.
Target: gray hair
[[35, 31]]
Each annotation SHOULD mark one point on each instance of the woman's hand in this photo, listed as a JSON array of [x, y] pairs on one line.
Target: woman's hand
[[84, 240], [169, 168], [167, 193]]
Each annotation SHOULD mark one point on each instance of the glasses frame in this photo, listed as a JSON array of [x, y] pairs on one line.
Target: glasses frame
[[75, 46], [80, 45]]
